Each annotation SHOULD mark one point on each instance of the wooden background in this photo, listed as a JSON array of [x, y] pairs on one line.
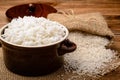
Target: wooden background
[[109, 8]]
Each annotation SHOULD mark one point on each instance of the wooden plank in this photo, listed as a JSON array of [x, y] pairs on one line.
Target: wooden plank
[[112, 17], [104, 11], [87, 5], [18, 2]]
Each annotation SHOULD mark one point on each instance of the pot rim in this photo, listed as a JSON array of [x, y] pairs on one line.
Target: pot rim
[[12, 44]]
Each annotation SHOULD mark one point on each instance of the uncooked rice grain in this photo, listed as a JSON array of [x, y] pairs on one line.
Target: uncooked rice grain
[[91, 56]]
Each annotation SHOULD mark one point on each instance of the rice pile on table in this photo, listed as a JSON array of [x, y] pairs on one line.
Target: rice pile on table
[[91, 58]]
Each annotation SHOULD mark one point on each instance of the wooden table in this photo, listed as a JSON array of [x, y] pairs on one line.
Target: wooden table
[[109, 8]]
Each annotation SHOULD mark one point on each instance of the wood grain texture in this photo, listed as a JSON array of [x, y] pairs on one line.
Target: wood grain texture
[[109, 8]]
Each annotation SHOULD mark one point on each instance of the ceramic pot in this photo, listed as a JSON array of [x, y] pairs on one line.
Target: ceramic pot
[[34, 61]]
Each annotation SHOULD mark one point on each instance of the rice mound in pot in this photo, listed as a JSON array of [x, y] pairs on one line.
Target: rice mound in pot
[[32, 31]]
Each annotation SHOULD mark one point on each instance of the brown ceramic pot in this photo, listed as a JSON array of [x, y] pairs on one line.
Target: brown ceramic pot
[[34, 61], [32, 9]]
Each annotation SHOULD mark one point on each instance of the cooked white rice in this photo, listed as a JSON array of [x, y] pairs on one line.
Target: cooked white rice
[[32, 31]]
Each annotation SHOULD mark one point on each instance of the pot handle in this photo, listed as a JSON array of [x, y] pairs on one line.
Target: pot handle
[[66, 47]]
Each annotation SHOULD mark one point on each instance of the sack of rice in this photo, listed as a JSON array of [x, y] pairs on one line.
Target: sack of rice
[[93, 23], [91, 57]]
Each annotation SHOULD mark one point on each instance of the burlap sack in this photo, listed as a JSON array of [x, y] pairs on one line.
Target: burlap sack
[[114, 45], [93, 23]]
